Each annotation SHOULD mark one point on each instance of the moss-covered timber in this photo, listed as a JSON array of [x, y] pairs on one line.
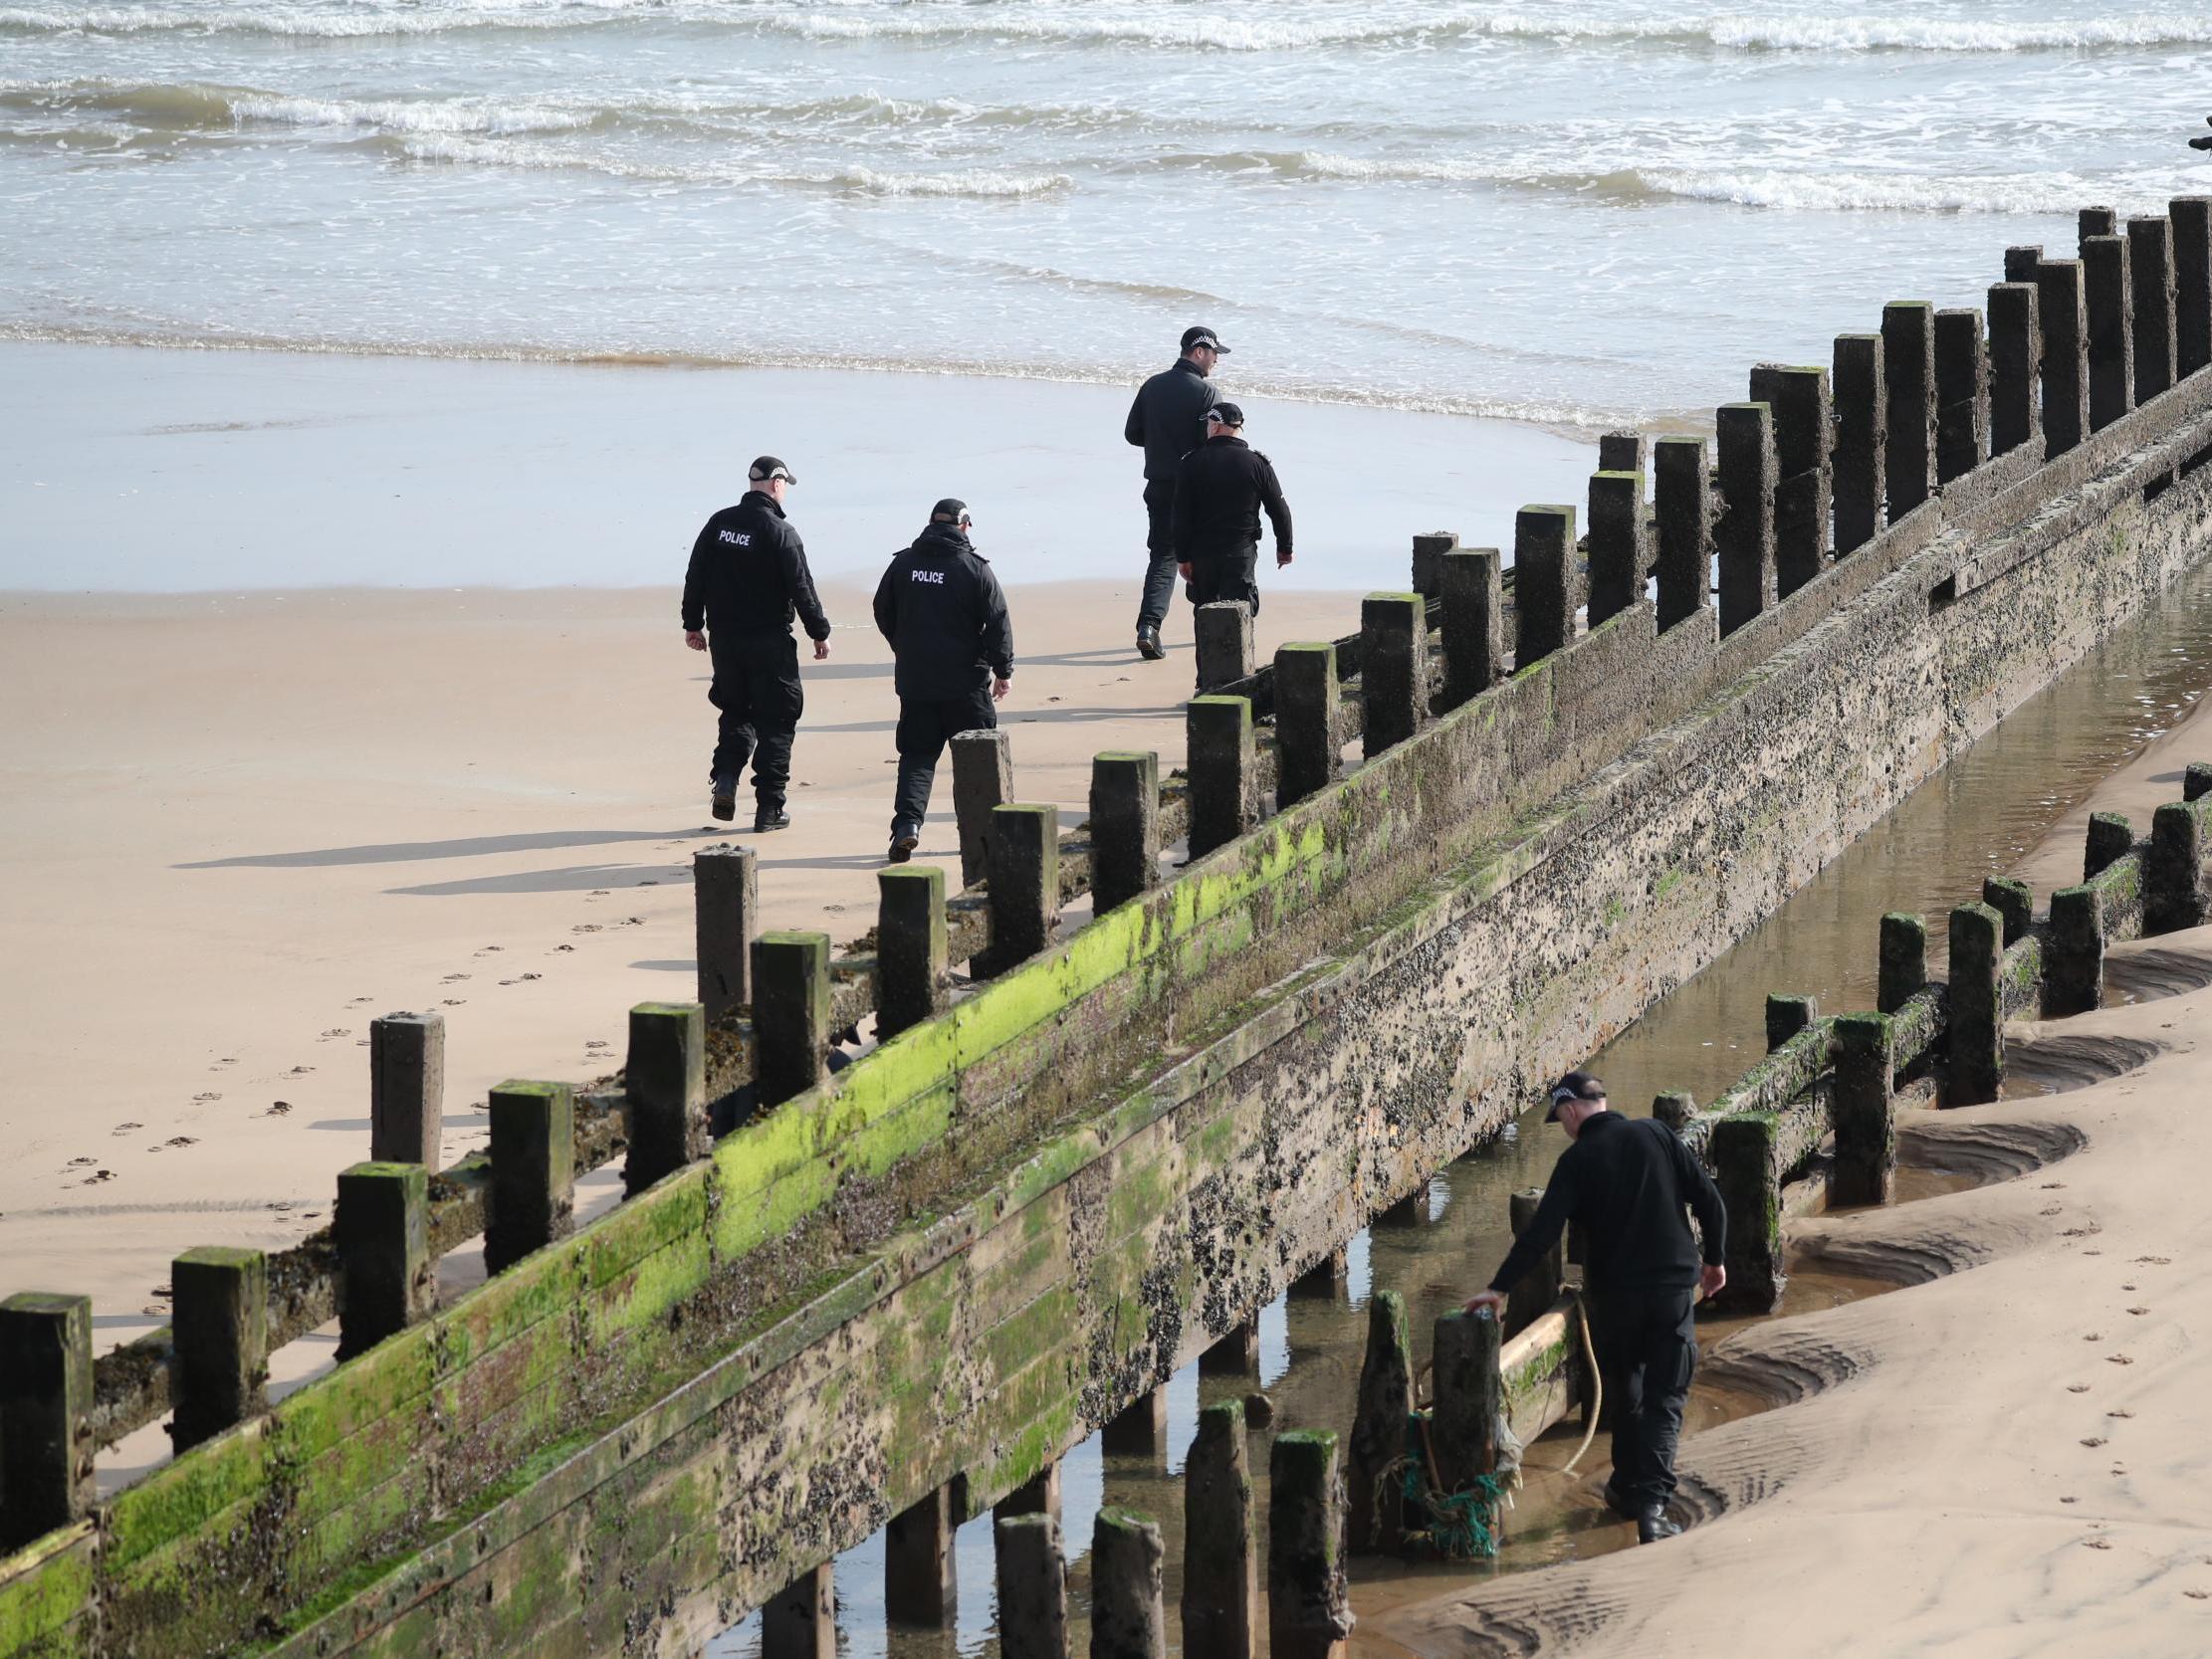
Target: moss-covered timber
[[982, 1241]]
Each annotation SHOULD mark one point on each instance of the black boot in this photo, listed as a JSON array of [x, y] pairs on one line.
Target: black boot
[[1148, 644], [770, 816], [1653, 1525], [1626, 1508], [725, 796]]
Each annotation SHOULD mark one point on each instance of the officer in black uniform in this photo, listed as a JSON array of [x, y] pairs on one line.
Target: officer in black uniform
[[1219, 493], [1164, 423], [1626, 1182], [748, 579], [946, 618]]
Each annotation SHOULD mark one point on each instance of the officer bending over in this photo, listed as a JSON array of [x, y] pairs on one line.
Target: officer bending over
[[1625, 1181], [748, 579], [1164, 423], [946, 618], [1218, 494]]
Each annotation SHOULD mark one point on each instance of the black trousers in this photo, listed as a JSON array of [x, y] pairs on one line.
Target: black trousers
[[1152, 610], [1647, 1342], [1230, 574], [755, 685], [926, 725]]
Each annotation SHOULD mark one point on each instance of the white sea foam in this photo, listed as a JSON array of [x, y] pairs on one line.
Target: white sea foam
[[979, 182], [488, 115]]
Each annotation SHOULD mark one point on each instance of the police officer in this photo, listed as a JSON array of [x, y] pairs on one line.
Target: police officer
[[946, 618], [1164, 423], [1625, 1181], [748, 579], [1219, 493]]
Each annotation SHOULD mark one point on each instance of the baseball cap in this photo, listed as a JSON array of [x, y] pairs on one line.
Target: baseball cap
[[1224, 414], [950, 511], [768, 467], [1203, 337], [1575, 1086]]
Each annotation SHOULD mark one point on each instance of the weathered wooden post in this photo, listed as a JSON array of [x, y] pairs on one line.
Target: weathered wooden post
[[790, 1015], [1221, 1548], [1306, 698], [1976, 1017], [1038, 1495], [220, 1334], [1473, 623], [2175, 866], [1532, 1298], [1681, 505], [726, 914], [1674, 1107], [1377, 1507], [2066, 355], [1786, 1016], [1125, 822], [912, 963], [2014, 901], [800, 1620], [406, 1089], [2073, 968], [983, 780], [2191, 217], [1616, 544], [2021, 263], [46, 1401], [1236, 1355], [1224, 782], [382, 1231], [1544, 584], [1862, 441], [1904, 962], [1033, 1588], [2109, 296], [1431, 549], [1865, 1109], [1129, 1615], [1745, 534], [2111, 836], [920, 1584], [1908, 373], [533, 1170], [1224, 632], [1961, 393], [665, 1090], [2015, 361], [1394, 669], [1025, 885], [2096, 220], [1328, 1280], [1470, 1395], [1746, 1167], [1309, 1604], [1138, 1429], [1804, 487], [2150, 274], [2196, 780]]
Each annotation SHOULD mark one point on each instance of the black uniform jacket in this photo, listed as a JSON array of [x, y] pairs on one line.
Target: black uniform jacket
[[946, 617], [748, 574], [1167, 420], [1219, 493], [1625, 1181]]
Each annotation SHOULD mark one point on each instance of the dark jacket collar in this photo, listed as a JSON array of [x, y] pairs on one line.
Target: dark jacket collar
[[1189, 367], [942, 539], [1603, 1121], [763, 498], [1216, 443]]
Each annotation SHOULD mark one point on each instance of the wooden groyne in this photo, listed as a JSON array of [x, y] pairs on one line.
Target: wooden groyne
[[898, 1294]]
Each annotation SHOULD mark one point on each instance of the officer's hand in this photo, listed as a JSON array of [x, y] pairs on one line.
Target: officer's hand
[[1709, 1281], [695, 639], [821, 651], [1484, 1302], [1185, 567], [1281, 558], [999, 690]]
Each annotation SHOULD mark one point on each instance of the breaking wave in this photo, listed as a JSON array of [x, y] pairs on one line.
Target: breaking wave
[[981, 182], [1165, 29]]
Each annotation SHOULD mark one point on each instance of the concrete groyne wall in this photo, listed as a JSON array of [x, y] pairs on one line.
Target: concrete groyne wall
[[903, 1292]]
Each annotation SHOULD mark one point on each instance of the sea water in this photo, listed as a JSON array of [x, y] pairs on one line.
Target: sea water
[[1580, 213]]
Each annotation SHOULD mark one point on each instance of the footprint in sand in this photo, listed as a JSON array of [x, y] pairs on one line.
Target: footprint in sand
[[76, 1162], [563, 947], [2117, 1360], [2093, 1337], [2094, 1440], [597, 892], [2138, 1310], [2198, 1595], [97, 1176], [452, 1001], [124, 1128], [300, 1070], [210, 1095], [648, 883], [180, 1141], [594, 1045], [585, 928], [2120, 1414], [2155, 1261], [2097, 1543], [336, 1031], [2077, 1388], [277, 1109], [452, 978], [488, 950]]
